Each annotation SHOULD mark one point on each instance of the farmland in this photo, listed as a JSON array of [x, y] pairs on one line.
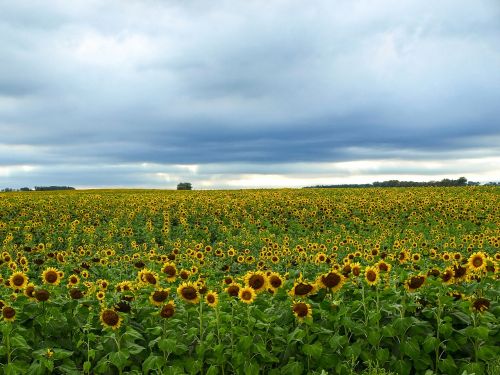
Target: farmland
[[247, 282]]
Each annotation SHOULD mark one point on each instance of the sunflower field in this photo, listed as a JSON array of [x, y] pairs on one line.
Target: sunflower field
[[311, 281]]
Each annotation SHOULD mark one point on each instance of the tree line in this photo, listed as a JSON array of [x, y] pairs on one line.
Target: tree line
[[462, 181], [38, 188]]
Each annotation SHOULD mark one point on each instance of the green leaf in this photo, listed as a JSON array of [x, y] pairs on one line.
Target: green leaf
[[382, 355], [448, 365], [212, 370], [373, 336], [86, 366], [313, 350], [153, 362], [402, 367], [167, 345], [12, 369], [486, 353], [245, 343], [430, 344], [482, 332], [252, 368], [61, 354], [411, 348], [337, 341], [134, 348], [18, 341], [292, 368], [119, 359]]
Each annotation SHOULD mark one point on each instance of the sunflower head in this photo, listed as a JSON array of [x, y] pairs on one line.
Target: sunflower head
[[302, 289], [51, 276], [233, 289], [414, 283], [332, 280], [371, 275], [480, 304], [110, 319], [188, 292], [8, 314], [477, 261], [159, 296], [257, 280], [168, 310], [18, 280], [301, 310], [41, 295], [212, 298], [170, 270], [275, 281], [247, 295]]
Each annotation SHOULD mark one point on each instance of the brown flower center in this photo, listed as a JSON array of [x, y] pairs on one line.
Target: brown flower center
[[167, 311], [170, 271], [371, 276], [300, 309], [110, 317], [189, 293], [275, 281], [51, 277], [256, 282], [211, 298], [160, 295], [331, 280], [303, 289], [8, 312], [246, 295], [42, 295]]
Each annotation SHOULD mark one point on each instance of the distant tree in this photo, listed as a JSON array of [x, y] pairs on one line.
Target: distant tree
[[184, 186], [25, 189]]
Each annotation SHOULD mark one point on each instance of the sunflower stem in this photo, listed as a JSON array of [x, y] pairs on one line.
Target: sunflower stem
[[200, 317]]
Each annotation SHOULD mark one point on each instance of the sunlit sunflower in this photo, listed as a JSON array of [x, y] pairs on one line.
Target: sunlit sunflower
[[75, 293], [257, 280], [18, 280], [168, 310], [384, 266], [170, 270], [51, 276], [159, 296], [100, 295], [8, 314], [247, 295], [371, 275], [332, 280], [212, 298], [301, 310], [110, 319], [184, 274], [146, 276], [356, 269], [274, 281], [124, 286], [477, 261], [73, 280], [414, 283], [188, 292]]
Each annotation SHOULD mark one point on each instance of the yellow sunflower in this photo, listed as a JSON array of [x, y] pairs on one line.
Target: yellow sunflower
[[371, 275], [332, 280], [51, 276], [159, 296], [110, 319], [18, 280], [302, 310], [170, 270], [188, 292], [212, 298], [302, 289], [247, 294], [257, 280], [8, 314], [477, 261]]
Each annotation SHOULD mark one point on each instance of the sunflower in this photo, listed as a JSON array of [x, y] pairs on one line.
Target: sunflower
[[233, 289], [146, 276], [480, 304], [73, 280], [477, 261], [188, 292], [159, 296], [75, 293], [356, 269], [247, 294], [184, 274], [372, 275], [332, 280], [124, 286], [257, 280], [18, 280], [100, 295], [275, 281], [41, 295], [301, 310], [51, 276], [383, 266], [8, 314], [170, 270], [414, 283], [302, 288], [168, 310], [212, 298], [110, 319], [30, 291], [447, 275]]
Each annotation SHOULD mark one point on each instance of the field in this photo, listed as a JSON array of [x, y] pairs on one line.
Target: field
[[319, 281]]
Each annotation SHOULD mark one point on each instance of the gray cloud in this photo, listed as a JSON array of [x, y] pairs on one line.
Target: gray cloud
[[243, 84]]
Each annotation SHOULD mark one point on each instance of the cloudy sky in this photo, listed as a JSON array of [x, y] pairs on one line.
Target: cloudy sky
[[231, 94]]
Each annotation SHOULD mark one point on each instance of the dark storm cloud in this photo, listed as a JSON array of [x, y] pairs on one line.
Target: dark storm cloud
[[257, 84]]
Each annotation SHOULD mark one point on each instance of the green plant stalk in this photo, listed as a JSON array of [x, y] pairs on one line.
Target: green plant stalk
[[439, 312], [200, 317], [118, 348]]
